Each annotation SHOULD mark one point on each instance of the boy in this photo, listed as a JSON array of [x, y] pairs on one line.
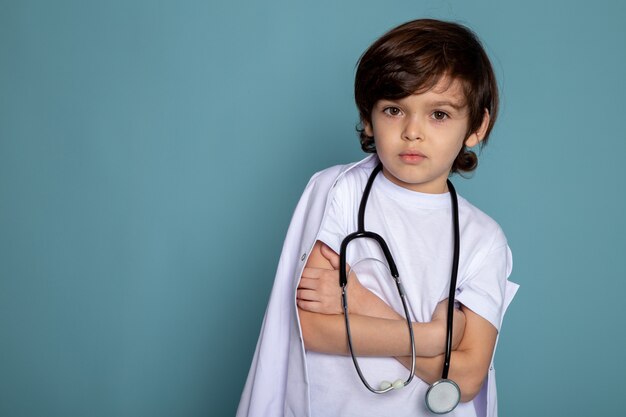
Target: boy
[[426, 94]]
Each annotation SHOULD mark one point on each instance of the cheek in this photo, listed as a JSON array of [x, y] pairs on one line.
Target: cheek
[[384, 151], [453, 152], [381, 145]]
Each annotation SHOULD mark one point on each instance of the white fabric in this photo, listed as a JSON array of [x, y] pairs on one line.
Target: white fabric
[[278, 382]]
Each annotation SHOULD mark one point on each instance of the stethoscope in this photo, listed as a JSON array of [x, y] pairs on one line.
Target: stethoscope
[[443, 395]]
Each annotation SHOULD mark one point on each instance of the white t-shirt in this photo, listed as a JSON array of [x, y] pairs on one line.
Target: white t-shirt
[[417, 227]]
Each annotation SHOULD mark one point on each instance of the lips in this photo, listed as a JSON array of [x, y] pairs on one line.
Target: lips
[[412, 153], [412, 157]]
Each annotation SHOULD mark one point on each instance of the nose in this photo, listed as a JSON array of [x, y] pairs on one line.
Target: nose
[[412, 129]]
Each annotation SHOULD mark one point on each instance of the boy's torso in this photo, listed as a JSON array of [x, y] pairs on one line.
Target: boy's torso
[[418, 229]]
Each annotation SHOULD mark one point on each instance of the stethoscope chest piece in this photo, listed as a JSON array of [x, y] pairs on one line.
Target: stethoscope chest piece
[[443, 396]]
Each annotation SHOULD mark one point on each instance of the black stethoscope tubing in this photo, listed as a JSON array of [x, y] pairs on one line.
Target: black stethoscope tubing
[[361, 232]]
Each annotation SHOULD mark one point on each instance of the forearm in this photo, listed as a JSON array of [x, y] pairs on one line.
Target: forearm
[[469, 364], [371, 336], [463, 371], [365, 303]]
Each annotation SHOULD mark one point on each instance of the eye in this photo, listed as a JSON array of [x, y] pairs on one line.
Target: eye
[[392, 111], [439, 115]]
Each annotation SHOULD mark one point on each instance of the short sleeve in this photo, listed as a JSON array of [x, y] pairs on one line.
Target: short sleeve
[[486, 290], [334, 225]]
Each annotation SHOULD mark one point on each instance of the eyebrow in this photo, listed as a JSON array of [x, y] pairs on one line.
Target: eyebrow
[[455, 105]]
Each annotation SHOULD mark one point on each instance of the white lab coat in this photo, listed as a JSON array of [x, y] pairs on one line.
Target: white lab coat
[[277, 383]]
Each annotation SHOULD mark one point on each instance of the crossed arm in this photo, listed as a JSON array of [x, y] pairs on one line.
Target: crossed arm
[[379, 331]]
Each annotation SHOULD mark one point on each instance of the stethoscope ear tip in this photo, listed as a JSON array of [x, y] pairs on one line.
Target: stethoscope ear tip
[[385, 385]]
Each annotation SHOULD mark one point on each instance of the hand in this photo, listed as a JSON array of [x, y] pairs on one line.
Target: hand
[[440, 315], [319, 290]]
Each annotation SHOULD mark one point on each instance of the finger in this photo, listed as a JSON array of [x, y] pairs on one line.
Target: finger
[[312, 306], [308, 283], [330, 254], [311, 272], [319, 273], [307, 295]]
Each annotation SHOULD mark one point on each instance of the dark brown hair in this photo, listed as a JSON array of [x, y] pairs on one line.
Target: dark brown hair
[[412, 58]]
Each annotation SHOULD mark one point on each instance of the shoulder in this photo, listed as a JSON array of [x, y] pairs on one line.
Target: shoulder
[[343, 177], [484, 230]]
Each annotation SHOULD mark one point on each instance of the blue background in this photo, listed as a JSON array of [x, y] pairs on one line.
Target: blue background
[[152, 152]]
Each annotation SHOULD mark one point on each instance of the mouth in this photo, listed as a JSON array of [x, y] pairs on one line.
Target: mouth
[[412, 156]]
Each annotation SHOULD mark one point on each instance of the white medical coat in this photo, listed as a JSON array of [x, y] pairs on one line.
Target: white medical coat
[[277, 383]]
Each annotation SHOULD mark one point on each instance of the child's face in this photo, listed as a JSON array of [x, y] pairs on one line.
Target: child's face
[[418, 137]]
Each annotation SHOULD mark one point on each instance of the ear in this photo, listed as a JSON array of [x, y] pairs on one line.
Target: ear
[[367, 129], [476, 137]]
